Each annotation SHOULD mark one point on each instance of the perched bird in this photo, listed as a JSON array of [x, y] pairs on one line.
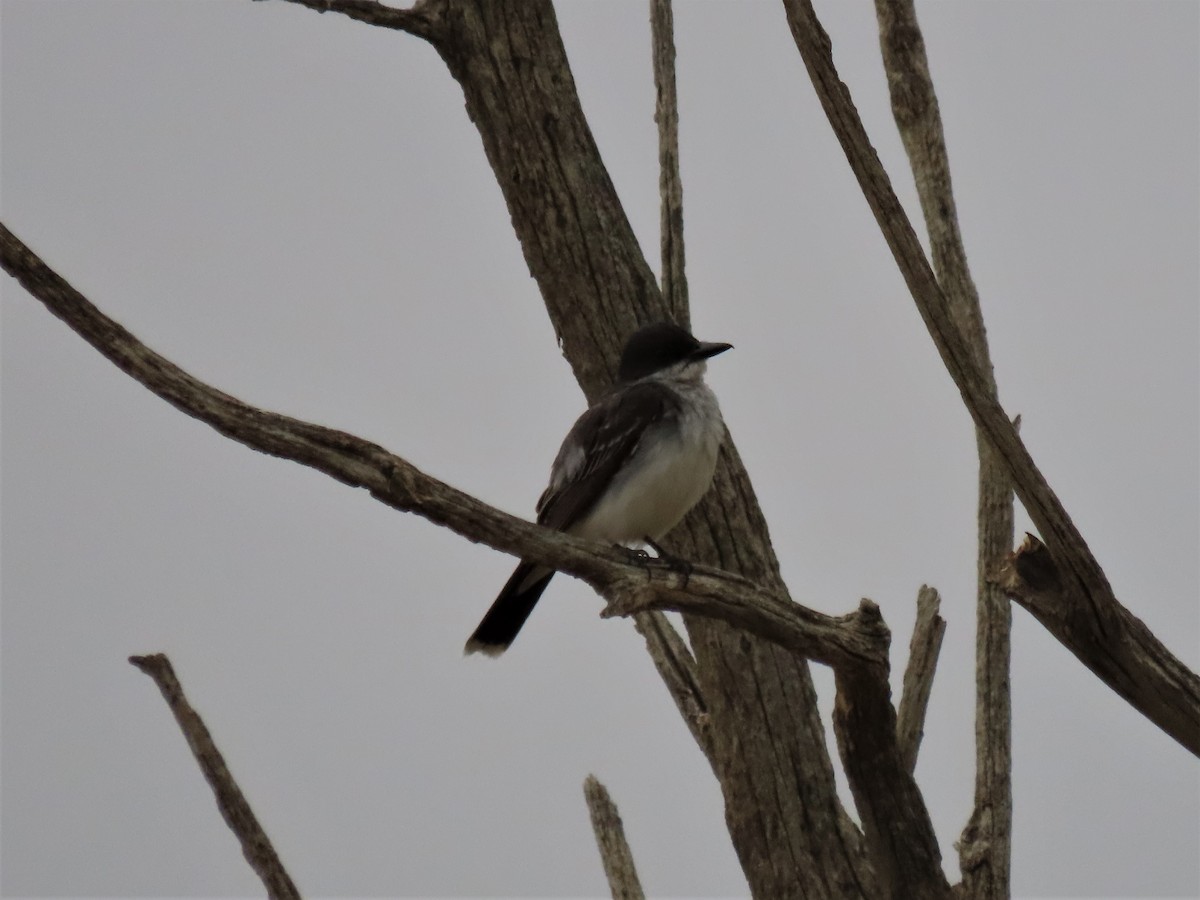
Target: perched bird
[[629, 469]]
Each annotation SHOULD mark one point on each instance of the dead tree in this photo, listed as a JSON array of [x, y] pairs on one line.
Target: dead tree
[[741, 680]]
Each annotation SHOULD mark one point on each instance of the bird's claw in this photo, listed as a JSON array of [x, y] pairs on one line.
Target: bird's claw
[[636, 554], [675, 563]]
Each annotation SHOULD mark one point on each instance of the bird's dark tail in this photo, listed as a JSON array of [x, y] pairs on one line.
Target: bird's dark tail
[[503, 621]]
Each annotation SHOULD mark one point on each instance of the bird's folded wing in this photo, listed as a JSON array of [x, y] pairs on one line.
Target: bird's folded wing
[[597, 447]]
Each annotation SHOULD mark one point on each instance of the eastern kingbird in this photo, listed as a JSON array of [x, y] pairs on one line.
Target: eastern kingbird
[[629, 469]]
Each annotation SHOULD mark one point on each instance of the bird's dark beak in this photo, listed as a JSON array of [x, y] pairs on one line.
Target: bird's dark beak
[[705, 350]]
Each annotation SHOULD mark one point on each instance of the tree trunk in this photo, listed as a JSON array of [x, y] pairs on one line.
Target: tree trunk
[[791, 834]]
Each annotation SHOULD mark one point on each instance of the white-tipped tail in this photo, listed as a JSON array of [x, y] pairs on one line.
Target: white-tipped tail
[[492, 650]]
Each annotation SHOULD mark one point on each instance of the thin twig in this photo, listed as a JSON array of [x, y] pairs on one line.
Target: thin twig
[[610, 838], [923, 652], [670, 185], [418, 21], [238, 815]]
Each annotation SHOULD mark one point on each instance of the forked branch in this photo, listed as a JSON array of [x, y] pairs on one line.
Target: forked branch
[[519, 92], [1032, 577], [855, 645], [1102, 632]]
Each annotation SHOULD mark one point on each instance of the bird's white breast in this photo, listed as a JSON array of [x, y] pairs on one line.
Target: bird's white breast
[[671, 470]]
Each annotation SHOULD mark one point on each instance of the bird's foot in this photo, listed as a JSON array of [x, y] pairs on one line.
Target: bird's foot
[[638, 557], [675, 563]]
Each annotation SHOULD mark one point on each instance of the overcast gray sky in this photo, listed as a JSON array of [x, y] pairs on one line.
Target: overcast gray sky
[[295, 208]]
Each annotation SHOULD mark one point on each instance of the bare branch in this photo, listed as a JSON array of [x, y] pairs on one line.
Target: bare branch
[[918, 118], [899, 833], [238, 815], [418, 21], [677, 668], [987, 839], [923, 652], [610, 838], [915, 109], [629, 582], [795, 740], [1032, 577], [781, 801], [670, 186], [1163, 692], [859, 638]]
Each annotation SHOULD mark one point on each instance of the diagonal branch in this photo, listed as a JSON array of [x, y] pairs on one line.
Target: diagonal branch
[[628, 581], [1032, 577], [677, 668], [610, 838], [988, 838], [420, 20], [1101, 630], [896, 823], [855, 645], [236, 811], [848, 641], [923, 652], [670, 186]]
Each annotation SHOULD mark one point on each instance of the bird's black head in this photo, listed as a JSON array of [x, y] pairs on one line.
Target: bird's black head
[[656, 347]]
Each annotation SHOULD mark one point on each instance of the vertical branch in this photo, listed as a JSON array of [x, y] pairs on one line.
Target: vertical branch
[[915, 109], [896, 824], [610, 838], [670, 186], [985, 848], [923, 652], [238, 815]]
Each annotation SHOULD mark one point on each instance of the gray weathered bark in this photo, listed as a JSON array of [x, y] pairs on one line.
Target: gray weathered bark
[[787, 824], [744, 688], [615, 854], [855, 645], [985, 849], [235, 809], [923, 652], [670, 185], [677, 668], [1089, 619]]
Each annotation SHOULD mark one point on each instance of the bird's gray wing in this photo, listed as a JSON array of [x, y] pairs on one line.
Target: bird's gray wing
[[596, 447]]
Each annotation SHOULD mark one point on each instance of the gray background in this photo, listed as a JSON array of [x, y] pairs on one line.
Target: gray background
[[296, 209]]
